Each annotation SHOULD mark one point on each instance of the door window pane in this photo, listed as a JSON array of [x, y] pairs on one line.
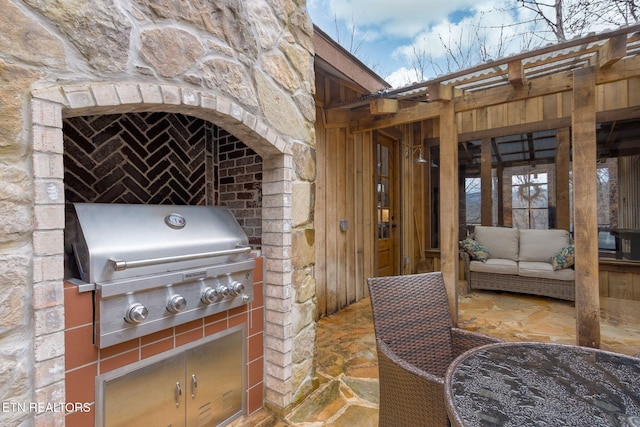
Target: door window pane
[[383, 197]]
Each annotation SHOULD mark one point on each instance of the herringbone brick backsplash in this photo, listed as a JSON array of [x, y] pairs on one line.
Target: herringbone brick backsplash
[[160, 158]]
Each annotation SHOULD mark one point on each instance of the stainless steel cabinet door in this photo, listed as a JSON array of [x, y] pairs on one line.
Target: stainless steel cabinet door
[[215, 381], [150, 396]]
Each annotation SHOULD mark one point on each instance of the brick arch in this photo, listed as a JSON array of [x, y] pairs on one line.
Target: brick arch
[[117, 98], [50, 105]]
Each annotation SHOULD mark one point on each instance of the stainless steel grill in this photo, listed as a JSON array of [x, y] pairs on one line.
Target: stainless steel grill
[[157, 266]]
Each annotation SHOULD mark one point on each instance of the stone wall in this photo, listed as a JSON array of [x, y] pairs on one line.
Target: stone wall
[[244, 66]]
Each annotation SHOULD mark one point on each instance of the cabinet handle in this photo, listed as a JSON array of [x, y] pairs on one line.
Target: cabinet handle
[[178, 393], [194, 385]]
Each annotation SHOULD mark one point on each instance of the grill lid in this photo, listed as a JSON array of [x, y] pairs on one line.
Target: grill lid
[[117, 241]]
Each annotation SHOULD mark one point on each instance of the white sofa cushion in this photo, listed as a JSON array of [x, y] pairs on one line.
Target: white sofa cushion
[[544, 270], [501, 242], [495, 265], [541, 245]]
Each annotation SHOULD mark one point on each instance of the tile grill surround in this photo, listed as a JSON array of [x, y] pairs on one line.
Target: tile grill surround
[[84, 361]]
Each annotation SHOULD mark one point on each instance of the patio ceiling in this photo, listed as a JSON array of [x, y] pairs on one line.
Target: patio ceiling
[[614, 139], [511, 150]]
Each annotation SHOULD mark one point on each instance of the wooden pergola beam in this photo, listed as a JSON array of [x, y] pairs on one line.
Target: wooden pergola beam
[[613, 51], [440, 92], [416, 113], [381, 106], [585, 208], [515, 73], [541, 86], [562, 82]]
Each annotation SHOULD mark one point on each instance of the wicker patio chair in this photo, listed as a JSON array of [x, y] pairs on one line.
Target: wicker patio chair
[[416, 342]]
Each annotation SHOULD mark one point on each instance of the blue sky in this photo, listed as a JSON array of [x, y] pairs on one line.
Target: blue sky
[[404, 41]]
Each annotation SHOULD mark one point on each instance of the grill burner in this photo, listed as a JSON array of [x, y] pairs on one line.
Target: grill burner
[[153, 267]]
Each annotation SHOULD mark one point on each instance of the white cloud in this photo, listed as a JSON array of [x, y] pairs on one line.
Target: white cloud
[[489, 31], [398, 18], [402, 77]]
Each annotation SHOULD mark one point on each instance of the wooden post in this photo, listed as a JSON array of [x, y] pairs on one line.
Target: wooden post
[[486, 216], [499, 186], [419, 193], [449, 205], [585, 210], [563, 214]]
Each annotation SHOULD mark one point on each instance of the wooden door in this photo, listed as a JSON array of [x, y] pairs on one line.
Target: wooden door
[[386, 206]]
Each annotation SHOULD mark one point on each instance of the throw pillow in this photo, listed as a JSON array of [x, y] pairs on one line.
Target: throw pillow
[[475, 250], [564, 258]]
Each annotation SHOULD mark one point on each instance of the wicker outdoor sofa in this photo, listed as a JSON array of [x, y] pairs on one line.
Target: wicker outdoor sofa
[[537, 262]]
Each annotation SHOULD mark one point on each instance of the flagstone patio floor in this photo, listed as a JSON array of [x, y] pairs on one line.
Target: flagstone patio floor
[[346, 356]]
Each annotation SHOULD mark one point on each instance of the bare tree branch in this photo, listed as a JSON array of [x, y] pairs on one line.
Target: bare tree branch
[[354, 41], [551, 21]]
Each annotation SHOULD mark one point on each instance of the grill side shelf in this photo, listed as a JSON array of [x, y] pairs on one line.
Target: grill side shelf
[[82, 286]]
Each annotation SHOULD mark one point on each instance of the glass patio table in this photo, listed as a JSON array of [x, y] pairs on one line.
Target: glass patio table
[[542, 384]]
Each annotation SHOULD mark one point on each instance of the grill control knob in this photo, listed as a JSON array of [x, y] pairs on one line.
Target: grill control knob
[[237, 288], [210, 295], [176, 304], [223, 290], [136, 313]]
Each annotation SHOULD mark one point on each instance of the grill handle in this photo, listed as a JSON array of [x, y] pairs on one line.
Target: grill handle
[[119, 265]]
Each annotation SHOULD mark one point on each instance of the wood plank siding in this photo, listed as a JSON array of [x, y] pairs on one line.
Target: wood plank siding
[[344, 192]]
